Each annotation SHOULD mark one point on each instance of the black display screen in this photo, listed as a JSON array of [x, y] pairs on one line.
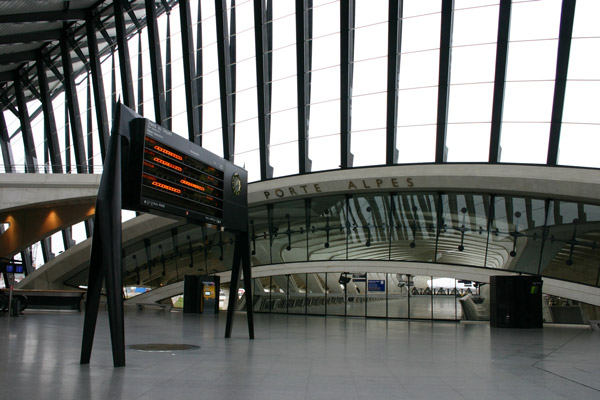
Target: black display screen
[[173, 176], [169, 174]]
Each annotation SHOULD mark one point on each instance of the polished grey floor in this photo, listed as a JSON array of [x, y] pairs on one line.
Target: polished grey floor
[[297, 357]]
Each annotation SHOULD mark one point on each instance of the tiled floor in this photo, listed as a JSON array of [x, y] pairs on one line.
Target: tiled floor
[[297, 357]]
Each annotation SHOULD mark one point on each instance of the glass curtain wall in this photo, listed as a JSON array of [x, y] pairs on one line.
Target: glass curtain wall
[[376, 294], [555, 239], [372, 295], [316, 294], [552, 238], [336, 294]]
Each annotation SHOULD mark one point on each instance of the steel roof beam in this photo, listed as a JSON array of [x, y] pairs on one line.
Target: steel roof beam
[[7, 76], [32, 88], [189, 71], [53, 68], [26, 132], [19, 57], [132, 16], [27, 260], [104, 33], [90, 130], [168, 77], [158, 87], [69, 15], [73, 107], [303, 66], [224, 78], [140, 77], [444, 80], [7, 155], [6, 102], [98, 87], [199, 71], [32, 37], [394, 48], [75, 46], [46, 249], [261, 40], [123, 48], [50, 130], [113, 86], [560, 83], [346, 78], [67, 142], [232, 66], [499, 79]]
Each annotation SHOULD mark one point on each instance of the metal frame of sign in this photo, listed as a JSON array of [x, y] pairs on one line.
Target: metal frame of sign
[[125, 153]]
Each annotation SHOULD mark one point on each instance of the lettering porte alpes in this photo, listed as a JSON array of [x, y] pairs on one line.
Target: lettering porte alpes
[[337, 186]]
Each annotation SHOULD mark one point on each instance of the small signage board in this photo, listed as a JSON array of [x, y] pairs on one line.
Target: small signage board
[[12, 268], [376, 285]]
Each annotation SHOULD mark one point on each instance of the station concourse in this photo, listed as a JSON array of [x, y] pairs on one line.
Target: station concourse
[[403, 159]]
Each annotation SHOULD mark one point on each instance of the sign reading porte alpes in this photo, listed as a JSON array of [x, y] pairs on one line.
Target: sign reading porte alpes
[[347, 185], [527, 180]]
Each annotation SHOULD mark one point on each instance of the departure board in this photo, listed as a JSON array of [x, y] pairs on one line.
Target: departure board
[[167, 173]]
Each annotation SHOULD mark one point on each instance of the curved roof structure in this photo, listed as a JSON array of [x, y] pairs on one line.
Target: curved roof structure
[[499, 222]]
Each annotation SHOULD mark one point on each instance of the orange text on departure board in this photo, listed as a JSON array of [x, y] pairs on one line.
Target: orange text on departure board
[[167, 152], [188, 183], [167, 164], [167, 187]]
